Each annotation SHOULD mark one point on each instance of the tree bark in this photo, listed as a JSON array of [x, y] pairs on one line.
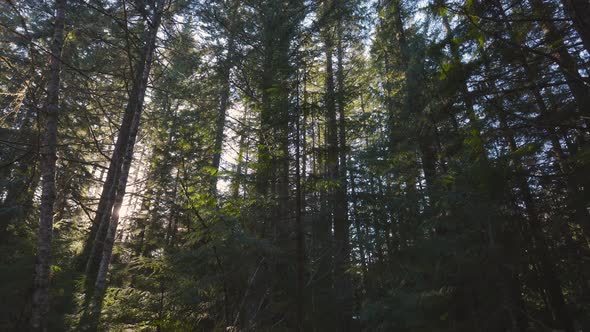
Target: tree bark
[[300, 239], [102, 248], [237, 180], [334, 217], [224, 94], [40, 302], [91, 255], [128, 157], [341, 223]]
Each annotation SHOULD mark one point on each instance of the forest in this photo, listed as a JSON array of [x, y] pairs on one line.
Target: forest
[[295, 165]]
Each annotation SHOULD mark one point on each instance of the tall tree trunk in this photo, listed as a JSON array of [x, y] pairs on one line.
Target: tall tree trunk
[[359, 234], [40, 302], [94, 245], [334, 218], [263, 171], [224, 94], [128, 157], [341, 223], [300, 235], [237, 180], [91, 254], [109, 241], [102, 248]]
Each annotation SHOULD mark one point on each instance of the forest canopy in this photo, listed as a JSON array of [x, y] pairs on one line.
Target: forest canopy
[[295, 165]]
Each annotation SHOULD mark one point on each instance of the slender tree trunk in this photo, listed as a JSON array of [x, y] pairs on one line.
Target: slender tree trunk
[[333, 176], [174, 215], [300, 244], [103, 248], [223, 105], [414, 103], [263, 170], [40, 302], [91, 254], [109, 241], [237, 180], [128, 157], [341, 223], [359, 233]]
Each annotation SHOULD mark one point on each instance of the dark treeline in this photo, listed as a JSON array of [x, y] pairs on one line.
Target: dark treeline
[[295, 165]]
